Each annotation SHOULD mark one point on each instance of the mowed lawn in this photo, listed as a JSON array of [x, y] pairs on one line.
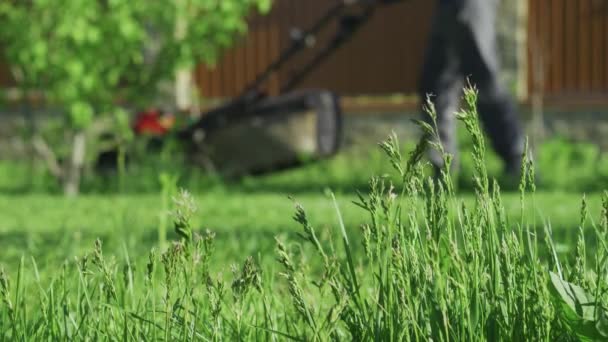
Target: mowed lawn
[[53, 229]]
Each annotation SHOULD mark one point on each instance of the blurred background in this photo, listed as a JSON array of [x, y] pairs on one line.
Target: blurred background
[[95, 94], [245, 102]]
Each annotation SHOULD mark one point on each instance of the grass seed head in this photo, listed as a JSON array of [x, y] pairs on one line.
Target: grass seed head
[[5, 289], [393, 151], [248, 278], [184, 209], [151, 264], [171, 261]]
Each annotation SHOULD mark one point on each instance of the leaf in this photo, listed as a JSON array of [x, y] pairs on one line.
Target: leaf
[[573, 296], [128, 28], [576, 309], [264, 6], [75, 68], [81, 114], [602, 325]]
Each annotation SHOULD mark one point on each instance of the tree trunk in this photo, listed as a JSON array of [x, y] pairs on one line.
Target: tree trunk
[[183, 76], [71, 182]]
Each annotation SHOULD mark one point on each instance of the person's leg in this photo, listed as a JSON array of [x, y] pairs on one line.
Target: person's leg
[[442, 81], [481, 63]]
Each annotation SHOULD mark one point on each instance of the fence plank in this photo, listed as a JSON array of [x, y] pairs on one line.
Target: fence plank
[[605, 45], [584, 50], [557, 45], [598, 58], [545, 39], [571, 62], [531, 52]]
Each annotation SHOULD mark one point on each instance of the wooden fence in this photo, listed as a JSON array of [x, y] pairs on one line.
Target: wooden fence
[[568, 49], [384, 57]]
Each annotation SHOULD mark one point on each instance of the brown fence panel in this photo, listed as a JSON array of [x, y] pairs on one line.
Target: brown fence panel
[[240, 65], [568, 44], [383, 57]]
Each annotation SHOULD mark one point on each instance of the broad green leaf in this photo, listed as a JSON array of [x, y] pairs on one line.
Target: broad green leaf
[[602, 325], [576, 309]]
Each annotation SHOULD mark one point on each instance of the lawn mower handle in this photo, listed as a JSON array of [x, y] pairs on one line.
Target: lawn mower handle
[[302, 39], [349, 24]]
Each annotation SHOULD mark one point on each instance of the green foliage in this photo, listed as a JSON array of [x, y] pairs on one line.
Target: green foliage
[[92, 58], [87, 54], [572, 165], [558, 170]]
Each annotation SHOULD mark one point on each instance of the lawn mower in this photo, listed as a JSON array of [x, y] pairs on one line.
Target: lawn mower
[[256, 133]]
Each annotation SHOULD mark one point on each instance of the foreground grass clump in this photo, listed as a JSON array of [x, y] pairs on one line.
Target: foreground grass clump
[[424, 266]]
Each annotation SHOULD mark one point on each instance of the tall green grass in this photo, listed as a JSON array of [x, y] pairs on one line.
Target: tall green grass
[[425, 266]]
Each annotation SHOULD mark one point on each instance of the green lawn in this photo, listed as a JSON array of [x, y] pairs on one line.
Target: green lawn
[[57, 283], [54, 228]]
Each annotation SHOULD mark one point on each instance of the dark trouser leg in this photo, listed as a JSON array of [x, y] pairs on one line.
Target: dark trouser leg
[[442, 81], [463, 44], [480, 61]]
